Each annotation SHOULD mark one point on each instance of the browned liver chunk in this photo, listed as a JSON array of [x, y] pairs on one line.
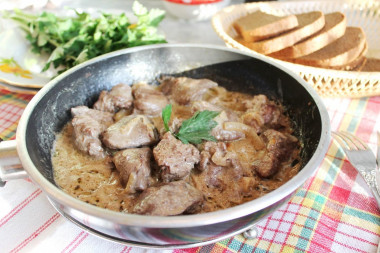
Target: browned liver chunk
[[103, 118], [174, 158], [148, 100], [280, 146], [225, 135], [88, 124], [134, 168], [185, 90], [204, 105], [222, 171], [225, 115], [130, 132], [170, 199], [263, 113], [120, 97]]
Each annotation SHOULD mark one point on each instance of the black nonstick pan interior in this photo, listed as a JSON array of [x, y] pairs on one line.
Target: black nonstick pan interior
[[237, 72]]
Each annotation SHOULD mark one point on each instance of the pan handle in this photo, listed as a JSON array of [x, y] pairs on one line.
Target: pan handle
[[10, 165]]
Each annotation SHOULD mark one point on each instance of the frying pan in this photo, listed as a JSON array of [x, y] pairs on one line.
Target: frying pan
[[49, 111]]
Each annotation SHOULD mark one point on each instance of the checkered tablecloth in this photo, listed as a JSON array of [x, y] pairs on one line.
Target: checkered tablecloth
[[333, 212]]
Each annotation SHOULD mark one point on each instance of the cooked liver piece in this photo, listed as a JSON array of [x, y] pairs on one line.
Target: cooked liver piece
[[280, 146], [88, 124], [222, 172], [215, 154], [204, 105], [211, 149], [103, 117], [225, 115], [120, 97], [130, 132], [184, 90], [263, 113], [170, 199], [148, 100], [225, 135], [174, 158], [134, 168]]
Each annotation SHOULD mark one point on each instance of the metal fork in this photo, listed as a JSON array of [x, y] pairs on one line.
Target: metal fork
[[362, 158]]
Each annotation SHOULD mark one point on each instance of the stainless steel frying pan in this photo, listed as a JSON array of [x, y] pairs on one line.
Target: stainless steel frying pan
[[49, 110]]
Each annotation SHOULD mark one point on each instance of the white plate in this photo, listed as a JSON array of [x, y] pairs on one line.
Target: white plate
[[18, 89], [14, 45]]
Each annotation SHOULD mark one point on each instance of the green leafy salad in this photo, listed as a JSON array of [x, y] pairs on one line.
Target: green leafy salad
[[72, 40]]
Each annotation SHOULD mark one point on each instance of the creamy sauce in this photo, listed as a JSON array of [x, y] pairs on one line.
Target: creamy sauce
[[97, 182], [88, 179]]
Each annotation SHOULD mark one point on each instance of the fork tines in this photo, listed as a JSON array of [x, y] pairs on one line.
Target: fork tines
[[348, 141]]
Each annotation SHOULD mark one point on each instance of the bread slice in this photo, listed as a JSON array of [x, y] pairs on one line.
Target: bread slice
[[357, 64], [260, 25], [308, 24], [340, 52], [371, 65], [361, 64], [335, 27]]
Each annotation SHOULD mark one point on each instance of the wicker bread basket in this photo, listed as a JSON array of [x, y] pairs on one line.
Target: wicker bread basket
[[328, 83]]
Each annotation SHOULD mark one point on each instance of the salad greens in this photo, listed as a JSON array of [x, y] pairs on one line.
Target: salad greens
[[72, 40]]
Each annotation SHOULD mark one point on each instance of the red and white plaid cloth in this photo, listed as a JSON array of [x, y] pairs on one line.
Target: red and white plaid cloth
[[333, 212]]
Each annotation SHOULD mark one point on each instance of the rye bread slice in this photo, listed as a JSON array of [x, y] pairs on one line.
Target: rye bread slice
[[357, 64], [371, 65], [361, 64], [260, 25], [340, 52], [308, 24], [335, 27]]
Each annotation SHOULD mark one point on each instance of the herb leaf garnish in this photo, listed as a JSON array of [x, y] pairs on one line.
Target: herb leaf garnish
[[166, 113], [195, 129]]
